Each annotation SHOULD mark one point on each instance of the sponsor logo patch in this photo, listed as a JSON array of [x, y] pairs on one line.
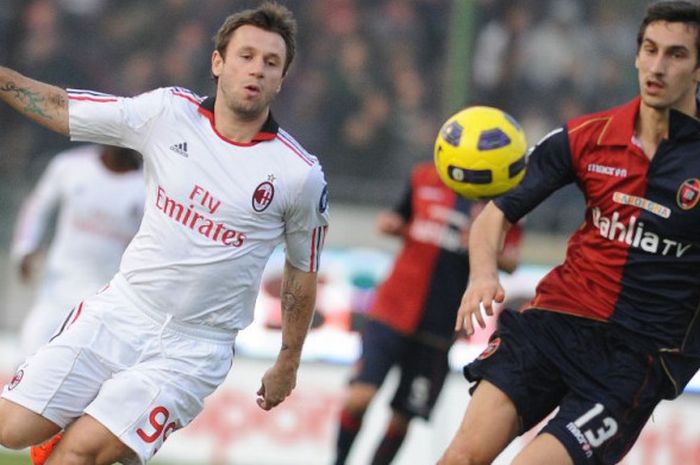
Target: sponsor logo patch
[[633, 232], [607, 170], [644, 204]]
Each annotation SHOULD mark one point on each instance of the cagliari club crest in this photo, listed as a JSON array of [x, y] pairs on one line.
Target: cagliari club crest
[[490, 349], [688, 194], [263, 195]]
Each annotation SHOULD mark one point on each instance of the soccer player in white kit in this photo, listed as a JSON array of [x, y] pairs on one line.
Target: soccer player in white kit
[[99, 193], [224, 186]]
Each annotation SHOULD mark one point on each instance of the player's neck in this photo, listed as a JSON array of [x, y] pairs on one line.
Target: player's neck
[[652, 127], [235, 128], [117, 164]]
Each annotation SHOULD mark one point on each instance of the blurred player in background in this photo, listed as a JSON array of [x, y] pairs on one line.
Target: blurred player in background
[[225, 185], [615, 328], [99, 193], [411, 322]]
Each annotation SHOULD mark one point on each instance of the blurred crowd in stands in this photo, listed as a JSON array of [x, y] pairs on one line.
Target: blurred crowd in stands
[[366, 92]]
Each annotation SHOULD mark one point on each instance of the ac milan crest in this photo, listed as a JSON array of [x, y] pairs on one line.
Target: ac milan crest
[[16, 379], [263, 195], [688, 194]]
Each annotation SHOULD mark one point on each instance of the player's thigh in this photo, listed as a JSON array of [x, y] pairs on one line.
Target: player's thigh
[[424, 369], [20, 427], [490, 423], [545, 449], [359, 395], [87, 439], [382, 347]]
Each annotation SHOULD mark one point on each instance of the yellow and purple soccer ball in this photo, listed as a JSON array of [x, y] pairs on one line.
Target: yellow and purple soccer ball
[[480, 152]]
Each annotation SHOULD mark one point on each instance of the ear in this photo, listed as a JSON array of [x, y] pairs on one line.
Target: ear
[[696, 75], [279, 87], [636, 60], [217, 63]]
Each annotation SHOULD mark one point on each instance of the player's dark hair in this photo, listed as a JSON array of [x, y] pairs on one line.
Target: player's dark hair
[[673, 12], [269, 16], [121, 158]]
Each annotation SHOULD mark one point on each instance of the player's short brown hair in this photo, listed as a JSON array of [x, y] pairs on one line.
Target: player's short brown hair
[[675, 11], [270, 16]]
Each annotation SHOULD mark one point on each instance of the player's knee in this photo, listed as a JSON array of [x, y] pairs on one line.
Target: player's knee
[[463, 456], [21, 428], [359, 398], [67, 455], [458, 460], [399, 423], [79, 449], [11, 438]]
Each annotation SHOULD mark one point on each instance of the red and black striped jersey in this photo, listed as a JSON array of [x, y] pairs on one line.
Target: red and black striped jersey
[[429, 276], [635, 259]]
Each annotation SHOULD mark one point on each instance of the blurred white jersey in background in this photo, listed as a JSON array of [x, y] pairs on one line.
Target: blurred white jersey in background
[[98, 213]]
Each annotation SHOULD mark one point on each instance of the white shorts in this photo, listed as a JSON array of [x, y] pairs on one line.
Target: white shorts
[[43, 321], [141, 375]]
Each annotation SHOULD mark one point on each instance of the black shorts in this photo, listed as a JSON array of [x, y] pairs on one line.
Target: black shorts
[[423, 368], [604, 379]]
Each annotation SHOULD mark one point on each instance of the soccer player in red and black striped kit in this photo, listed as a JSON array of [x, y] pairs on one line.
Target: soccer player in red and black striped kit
[[410, 323], [615, 328]]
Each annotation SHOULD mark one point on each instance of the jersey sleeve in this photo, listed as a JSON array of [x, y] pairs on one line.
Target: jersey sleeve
[[37, 209], [111, 120], [307, 223], [514, 237], [549, 168]]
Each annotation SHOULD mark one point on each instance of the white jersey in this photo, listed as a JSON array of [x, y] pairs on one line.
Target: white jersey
[[215, 209], [99, 211]]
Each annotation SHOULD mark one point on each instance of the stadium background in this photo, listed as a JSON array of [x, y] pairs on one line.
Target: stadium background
[[372, 82]]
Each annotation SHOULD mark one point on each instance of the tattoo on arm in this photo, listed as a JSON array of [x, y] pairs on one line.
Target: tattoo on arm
[[294, 301], [58, 101], [33, 102]]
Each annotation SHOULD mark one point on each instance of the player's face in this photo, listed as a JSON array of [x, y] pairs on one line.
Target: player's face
[[250, 75], [667, 66]]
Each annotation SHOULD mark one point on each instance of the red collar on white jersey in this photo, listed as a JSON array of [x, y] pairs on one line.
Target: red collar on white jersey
[[267, 132]]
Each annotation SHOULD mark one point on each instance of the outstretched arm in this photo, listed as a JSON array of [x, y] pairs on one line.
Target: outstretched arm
[[391, 223], [298, 302], [43, 103], [34, 217], [485, 243]]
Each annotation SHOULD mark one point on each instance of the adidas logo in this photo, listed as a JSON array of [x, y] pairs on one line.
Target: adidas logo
[[180, 149]]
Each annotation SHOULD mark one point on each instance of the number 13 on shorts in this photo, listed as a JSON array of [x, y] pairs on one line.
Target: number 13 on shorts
[[596, 436]]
